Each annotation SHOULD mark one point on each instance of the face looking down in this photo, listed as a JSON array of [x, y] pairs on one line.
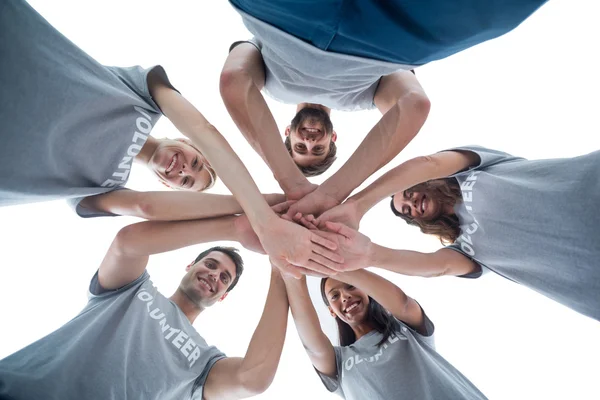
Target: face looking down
[[310, 134], [208, 280], [347, 302], [179, 165]]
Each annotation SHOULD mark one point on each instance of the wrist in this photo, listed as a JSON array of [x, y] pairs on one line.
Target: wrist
[[374, 254]]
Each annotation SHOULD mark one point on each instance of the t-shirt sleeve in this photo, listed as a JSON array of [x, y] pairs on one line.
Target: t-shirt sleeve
[[96, 291], [84, 212], [253, 41], [475, 274], [333, 383], [136, 78], [487, 157], [198, 387]]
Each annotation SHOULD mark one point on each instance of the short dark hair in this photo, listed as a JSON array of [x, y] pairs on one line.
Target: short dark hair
[[318, 168], [232, 252], [380, 318]]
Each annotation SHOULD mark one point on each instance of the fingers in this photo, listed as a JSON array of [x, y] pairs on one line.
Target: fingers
[[331, 257], [282, 207], [320, 268], [323, 242], [339, 229], [331, 267], [302, 220]]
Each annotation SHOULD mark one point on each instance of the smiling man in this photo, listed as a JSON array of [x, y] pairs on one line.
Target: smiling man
[[131, 342], [346, 55]]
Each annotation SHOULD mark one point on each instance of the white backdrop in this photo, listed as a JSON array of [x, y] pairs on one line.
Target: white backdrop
[[532, 92]]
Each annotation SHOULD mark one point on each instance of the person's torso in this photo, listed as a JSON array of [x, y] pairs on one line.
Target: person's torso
[[71, 126], [297, 72], [132, 345], [536, 222], [406, 366]]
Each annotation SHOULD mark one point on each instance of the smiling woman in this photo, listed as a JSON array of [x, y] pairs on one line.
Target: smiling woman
[[91, 169]]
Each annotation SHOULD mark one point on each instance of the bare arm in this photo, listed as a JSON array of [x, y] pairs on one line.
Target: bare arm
[[359, 252], [242, 79], [237, 378], [317, 345], [169, 206], [286, 243], [390, 296], [404, 176], [406, 262], [405, 107], [128, 254]]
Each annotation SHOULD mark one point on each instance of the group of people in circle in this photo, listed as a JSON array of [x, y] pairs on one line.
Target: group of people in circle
[[92, 121]]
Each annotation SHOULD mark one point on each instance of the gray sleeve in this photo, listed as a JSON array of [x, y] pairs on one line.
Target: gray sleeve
[[96, 291], [198, 387], [136, 78], [253, 41], [84, 212], [487, 157], [473, 275], [333, 384]]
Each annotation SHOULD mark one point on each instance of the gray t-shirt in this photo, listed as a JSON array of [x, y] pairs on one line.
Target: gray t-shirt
[[297, 72], [535, 222], [70, 126], [406, 366], [131, 343]]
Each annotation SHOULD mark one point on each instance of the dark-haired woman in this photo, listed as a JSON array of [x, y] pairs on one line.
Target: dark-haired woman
[[386, 342], [535, 222]]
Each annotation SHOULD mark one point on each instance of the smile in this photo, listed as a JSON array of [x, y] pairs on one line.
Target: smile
[[352, 307], [172, 164], [423, 207], [203, 282]]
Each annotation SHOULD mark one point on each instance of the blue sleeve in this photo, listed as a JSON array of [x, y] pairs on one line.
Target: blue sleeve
[[84, 212]]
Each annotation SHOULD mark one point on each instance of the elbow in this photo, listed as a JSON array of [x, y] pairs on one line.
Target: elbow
[[233, 80], [253, 385], [123, 243], [418, 102]]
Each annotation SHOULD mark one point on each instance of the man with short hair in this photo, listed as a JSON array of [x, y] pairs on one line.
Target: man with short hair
[[345, 55], [131, 342]]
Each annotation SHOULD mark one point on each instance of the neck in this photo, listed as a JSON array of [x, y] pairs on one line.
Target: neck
[[186, 305], [147, 150], [449, 209], [312, 105], [362, 329]]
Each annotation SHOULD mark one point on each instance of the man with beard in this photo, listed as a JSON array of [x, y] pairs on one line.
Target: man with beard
[[345, 56], [131, 342]]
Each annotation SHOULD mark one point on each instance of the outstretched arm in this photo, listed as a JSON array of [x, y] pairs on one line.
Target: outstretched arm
[[242, 79], [317, 345], [286, 243], [128, 254], [405, 107], [404, 176], [359, 252], [237, 378], [390, 296], [169, 206]]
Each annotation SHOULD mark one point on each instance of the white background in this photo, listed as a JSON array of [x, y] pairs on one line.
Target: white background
[[532, 93]]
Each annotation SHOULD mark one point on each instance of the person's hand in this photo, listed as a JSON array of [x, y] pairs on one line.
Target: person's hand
[[353, 246], [245, 234], [314, 203], [289, 245], [299, 190], [346, 213]]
